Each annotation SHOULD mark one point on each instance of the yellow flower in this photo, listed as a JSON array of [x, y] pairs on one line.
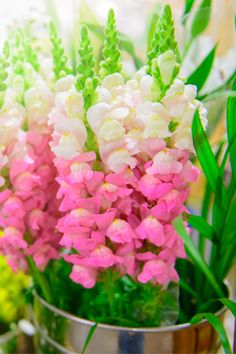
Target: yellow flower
[[12, 288]]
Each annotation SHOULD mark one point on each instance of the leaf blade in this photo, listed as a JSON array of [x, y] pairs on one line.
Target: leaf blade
[[201, 74], [200, 224], [217, 325], [231, 128], [89, 337], [195, 255], [201, 18], [204, 152]]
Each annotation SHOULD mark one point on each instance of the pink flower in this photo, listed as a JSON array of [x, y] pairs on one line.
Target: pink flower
[[120, 231], [112, 192], [36, 219], [26, 181], [81, 274], [152, 188], [76, 219], [102, 257], [42, 252], [4, 195], [13, 205], [12, 237], [157, 271], [104, 220], [165, 162], [152, 230], [129, 263]]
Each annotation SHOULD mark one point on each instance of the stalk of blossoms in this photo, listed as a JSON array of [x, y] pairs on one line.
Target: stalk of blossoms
[[28, 207], [120, 216]]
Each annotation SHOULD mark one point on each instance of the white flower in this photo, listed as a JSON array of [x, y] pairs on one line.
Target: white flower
[[166, 64], [111, 130], [119, 159], [182, 138], [155, 120], [113, 80], [64, 84], [96, 114], [38, 101], [71, 102], [68, 146]]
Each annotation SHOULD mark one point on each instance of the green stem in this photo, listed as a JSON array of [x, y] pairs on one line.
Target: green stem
[[41, 280], [109, 288]]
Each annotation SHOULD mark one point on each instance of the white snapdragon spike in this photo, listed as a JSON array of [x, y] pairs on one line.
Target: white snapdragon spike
[[12, 138], [70, 134], [126, 118], [38, 102]]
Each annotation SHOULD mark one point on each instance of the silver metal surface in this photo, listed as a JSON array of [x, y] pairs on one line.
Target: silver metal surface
[[61, 332]]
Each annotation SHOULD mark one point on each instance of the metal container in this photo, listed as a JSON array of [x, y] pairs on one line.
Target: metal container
[[61, 332]]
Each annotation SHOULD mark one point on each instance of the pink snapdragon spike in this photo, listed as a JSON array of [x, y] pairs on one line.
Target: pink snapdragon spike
[[131, 204]]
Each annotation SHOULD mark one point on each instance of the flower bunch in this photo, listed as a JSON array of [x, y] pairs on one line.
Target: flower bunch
[[123, 159], [96, 166], [28, 207]]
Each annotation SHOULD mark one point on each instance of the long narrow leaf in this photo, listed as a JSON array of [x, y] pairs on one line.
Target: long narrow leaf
[[89, 337], [188, 6], [204, 152], [189, 289], [195, 255], [231, 128], [200, 224], [225, 87], [201, 18], [201, 74], [231, 305], [218, 326]]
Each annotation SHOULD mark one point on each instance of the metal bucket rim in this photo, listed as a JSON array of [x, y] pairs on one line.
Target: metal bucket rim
[[80, 320]]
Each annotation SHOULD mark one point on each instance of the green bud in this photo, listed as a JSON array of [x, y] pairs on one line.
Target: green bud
[[111, 53]]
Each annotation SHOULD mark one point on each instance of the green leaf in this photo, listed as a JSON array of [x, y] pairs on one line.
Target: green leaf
[[231, 305], [204, 152], [195, 255], [188, 7], [189, 289], [89, 337], [201, 18], [231, 128], [200, 75], [111, 53], [218, 326], [200, 224]]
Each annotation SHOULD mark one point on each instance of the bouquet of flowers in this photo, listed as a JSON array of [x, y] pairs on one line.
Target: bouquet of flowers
[[95, 167]]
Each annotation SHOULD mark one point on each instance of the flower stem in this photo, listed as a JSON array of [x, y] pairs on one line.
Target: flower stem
[[41, 280]]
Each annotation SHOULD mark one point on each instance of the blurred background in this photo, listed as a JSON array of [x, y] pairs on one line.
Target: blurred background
[[134, 20]]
